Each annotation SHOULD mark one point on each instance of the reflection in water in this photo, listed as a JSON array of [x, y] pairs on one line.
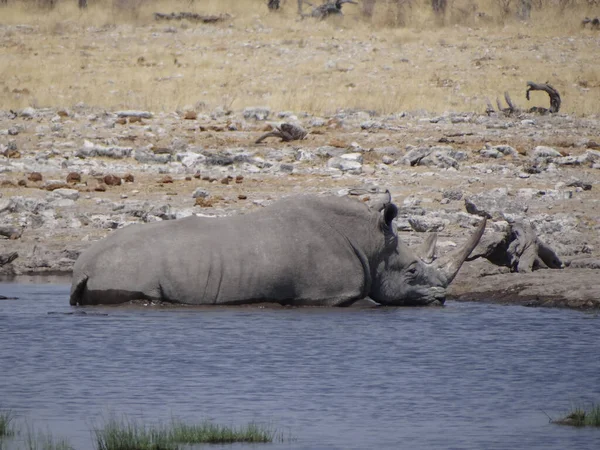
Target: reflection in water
[[467, 376]]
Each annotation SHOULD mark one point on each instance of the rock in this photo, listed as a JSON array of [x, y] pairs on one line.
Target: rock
[[28, 113], [35, 176], [424, 224], [190, 159], [257, 113], [218, 159], [542, 151], [146, 157], [128, 178], [495, 204], [490, 153], [584, 185], [200, 193], [242, 197], [358, 157], [73, 177], [345, 165], [51, 185], [438, 156], [112, 180], [452, 194], [190, 115], [133, 113], [90, 149], [167, 179], [70, 194]]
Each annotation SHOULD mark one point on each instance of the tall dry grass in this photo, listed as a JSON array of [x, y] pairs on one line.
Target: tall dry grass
[[115, 55]]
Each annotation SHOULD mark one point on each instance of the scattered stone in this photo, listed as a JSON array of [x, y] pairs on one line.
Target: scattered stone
[[546, 152], [112, 180], [73, 177], [452, 194], [90, 149], [128, 178], [422, 224], [239, 179], [190, 115], [345, 165], [70, 194], [166, 179], [28, 113], [584, 185], [200, 193], [495, 204], [100, 187], [132, 113], [242, 197], [35, 177], [257, 113], [52, 185]]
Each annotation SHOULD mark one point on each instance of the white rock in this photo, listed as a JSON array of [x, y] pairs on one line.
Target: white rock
[[548, 152]]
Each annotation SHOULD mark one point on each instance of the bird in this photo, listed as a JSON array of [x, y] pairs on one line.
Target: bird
[[286, 132]]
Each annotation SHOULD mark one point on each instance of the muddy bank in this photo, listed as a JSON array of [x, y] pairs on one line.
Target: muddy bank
[[70, 177]]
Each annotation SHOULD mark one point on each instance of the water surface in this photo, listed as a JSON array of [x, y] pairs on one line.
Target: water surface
[[466, 376]]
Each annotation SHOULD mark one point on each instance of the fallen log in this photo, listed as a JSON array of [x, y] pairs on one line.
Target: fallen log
[[519, 248], [7, 258]]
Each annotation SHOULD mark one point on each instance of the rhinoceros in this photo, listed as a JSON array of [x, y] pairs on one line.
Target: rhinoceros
[[302, 251]]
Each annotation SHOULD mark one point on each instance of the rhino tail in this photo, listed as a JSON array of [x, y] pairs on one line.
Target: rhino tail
[[77, 290]]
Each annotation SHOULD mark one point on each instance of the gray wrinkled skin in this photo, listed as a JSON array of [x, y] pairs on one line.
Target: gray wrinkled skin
[[302, 251]]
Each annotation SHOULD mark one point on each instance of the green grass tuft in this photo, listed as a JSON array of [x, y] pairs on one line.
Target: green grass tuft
[[126, 434], [211, 433], [581, 417]]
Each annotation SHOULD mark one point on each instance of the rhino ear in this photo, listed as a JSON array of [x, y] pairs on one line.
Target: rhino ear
[[426, 251], [389, 214]]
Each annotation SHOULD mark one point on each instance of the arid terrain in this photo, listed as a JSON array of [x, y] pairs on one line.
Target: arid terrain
[[107, 120]]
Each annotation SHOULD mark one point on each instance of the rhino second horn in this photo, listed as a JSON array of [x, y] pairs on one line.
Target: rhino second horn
[[451, 264]]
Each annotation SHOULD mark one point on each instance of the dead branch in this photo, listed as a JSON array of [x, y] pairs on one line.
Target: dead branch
[[519, 248], [509, 110], [286, 132], [192, 17], [7, 258], [553, 93]]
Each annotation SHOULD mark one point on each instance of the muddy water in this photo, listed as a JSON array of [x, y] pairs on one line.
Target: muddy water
[[466, 376]]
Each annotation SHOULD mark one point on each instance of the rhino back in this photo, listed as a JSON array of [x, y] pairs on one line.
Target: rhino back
[[291, 252]]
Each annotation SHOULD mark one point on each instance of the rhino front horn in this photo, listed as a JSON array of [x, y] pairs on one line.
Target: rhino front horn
[[451, 263]]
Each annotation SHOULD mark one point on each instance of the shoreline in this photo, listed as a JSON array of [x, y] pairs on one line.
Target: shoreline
[[94, 174]]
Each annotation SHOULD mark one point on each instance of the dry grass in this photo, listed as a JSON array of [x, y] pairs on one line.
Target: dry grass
[[114, 55]]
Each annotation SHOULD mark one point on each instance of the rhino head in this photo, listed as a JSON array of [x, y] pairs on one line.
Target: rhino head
[[401, 276]]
